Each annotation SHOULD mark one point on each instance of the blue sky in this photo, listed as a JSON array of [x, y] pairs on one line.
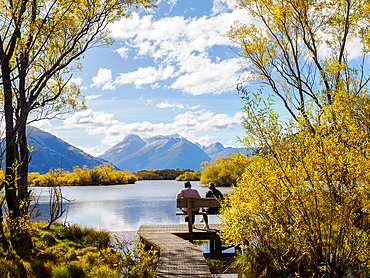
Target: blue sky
[[170, 70]]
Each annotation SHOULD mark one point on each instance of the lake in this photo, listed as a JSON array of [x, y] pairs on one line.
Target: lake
[[122, 207]]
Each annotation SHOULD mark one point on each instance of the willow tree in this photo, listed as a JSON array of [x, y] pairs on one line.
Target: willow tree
[[224, 171], [40, 45], [302, 207]]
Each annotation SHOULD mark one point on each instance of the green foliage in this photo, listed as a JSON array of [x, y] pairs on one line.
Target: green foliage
[[71, 251], [100, 175], [224, 171], [163, 174], [189, 176]]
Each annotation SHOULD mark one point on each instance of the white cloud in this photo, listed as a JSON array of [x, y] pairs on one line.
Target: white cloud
[[172, 3], [184, 46], [130, 27], [42, 124], [123, 52], [104, 76], [174, 37], [108, 86], [187, 124], [193, 107], [166, 104], [184, 124], [203, 121], [149, 101], [181, 46], [77, 80], [223, 5], [90, 97], [233, 144], [144, 76], [192, 137], [95, 122], [204, 77], [355, 47], [155, 86]]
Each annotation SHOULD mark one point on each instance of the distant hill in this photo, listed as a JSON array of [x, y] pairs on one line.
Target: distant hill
[[134, 154], [216, 150], [50, 152]]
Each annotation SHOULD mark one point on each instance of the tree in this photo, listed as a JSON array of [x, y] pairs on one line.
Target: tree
[[301, 208], [224, 171], [40, 45], [189, 176]]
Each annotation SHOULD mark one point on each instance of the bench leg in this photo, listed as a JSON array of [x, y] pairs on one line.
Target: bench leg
[[218, 248], [212, 247], [190, 223]]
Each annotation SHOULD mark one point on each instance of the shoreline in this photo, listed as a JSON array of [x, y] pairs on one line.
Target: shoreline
[[127, 237]]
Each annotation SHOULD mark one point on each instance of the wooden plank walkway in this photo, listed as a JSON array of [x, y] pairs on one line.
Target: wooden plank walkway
[[178, 257]]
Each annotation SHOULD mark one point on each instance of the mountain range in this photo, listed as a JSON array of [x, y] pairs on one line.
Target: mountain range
[[132, 153], [51, 152]]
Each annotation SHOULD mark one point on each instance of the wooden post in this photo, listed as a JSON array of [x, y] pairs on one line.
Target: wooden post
[[218, 248], [190, 215], [212, 247]]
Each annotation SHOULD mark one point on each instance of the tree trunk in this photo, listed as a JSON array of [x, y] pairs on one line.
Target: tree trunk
[[23, 194], [3, 241], [10, 165], [14, 220], [21, 122]]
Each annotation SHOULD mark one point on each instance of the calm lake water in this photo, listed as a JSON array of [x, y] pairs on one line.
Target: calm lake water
[[122, 207]]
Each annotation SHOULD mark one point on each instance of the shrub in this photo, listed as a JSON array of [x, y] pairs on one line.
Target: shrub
[[99, 175], [189, 176], [224, 171]]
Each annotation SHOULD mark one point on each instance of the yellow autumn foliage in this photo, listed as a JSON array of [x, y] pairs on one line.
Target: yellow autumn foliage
[[304, 201], [100, 175], [302, 206], [224, 171]]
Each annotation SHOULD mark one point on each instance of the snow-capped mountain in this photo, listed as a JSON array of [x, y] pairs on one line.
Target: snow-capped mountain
[[163, 152]]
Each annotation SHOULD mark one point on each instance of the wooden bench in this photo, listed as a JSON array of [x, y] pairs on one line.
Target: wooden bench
[[195, 203]]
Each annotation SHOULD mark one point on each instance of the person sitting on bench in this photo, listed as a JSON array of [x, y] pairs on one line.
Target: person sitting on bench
[[188, 193], [215, 193]]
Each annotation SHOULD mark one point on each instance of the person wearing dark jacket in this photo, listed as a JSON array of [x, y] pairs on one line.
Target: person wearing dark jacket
[[211, 193]]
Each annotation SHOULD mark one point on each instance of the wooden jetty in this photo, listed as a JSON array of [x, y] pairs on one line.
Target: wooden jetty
[[178, 257]]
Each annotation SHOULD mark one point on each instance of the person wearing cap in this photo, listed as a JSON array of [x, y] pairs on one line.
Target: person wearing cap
[[188, 193]]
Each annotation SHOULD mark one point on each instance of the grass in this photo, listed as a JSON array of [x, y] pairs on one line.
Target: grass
[[72, 251], [222, 265]]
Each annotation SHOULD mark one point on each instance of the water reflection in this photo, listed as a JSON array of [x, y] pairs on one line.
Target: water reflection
[[122, 207]]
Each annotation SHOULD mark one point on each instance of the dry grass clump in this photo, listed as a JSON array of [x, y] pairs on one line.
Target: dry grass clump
[[72, 251]]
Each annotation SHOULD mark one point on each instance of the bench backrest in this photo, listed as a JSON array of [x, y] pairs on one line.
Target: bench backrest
[[202, 202]]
